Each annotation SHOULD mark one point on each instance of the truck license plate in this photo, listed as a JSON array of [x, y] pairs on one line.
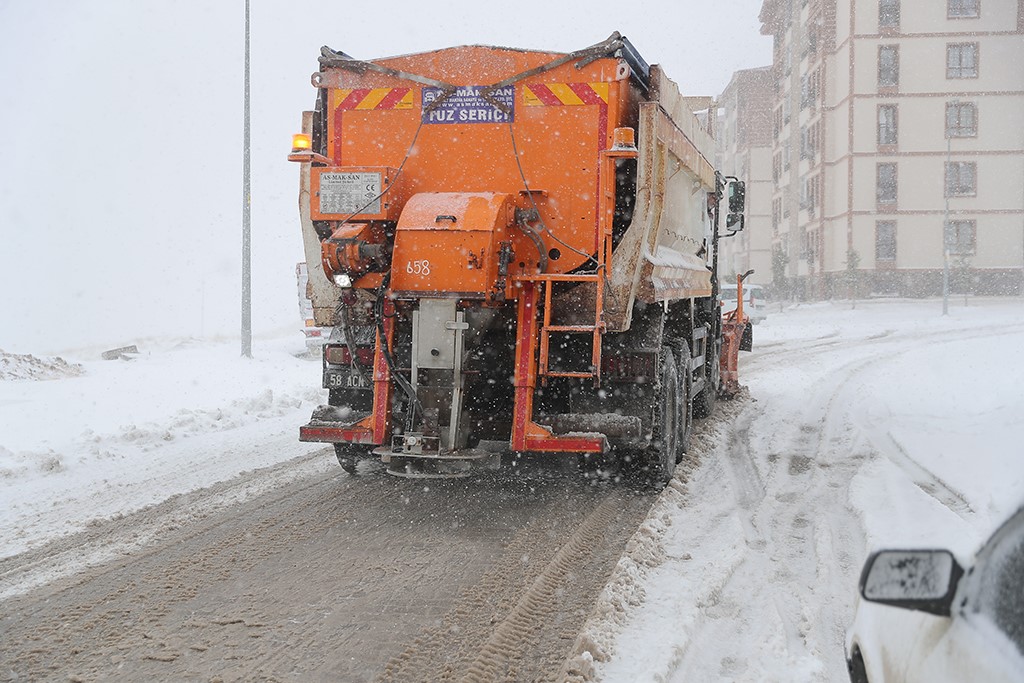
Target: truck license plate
[[346, 379]]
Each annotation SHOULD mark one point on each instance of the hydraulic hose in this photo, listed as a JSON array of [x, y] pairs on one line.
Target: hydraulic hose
[[523, 221]]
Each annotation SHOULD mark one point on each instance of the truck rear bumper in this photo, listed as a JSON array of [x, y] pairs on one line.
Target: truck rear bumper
[[325, 427], [333, 434]]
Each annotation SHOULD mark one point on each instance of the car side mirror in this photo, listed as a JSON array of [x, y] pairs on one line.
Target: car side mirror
[[921, 580]]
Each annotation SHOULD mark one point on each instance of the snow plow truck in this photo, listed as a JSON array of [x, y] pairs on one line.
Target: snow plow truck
[[517, 254]]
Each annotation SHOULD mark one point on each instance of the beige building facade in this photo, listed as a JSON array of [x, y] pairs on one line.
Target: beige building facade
[[745, 152], [897, 146]]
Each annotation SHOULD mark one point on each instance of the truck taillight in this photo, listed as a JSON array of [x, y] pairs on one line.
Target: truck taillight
[[339, 355], [301, 142]]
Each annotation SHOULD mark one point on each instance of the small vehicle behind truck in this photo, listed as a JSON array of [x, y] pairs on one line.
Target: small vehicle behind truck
[[314, 335], [755, 305]]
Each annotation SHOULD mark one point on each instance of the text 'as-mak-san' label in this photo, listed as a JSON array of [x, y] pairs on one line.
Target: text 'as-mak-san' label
[[467, 106], [350, 193]]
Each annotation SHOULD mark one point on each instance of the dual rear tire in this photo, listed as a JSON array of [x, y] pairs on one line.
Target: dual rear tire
[[673, 415], [704, 402]]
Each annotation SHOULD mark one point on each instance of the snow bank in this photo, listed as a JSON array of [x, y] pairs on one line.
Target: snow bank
[[113, 437], [15, 366]]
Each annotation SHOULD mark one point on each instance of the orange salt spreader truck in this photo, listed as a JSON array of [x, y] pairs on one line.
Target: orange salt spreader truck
[[518, 252]]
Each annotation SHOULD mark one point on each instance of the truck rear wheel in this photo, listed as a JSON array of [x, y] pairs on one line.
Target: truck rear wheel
[[662, 451], [685, 408], [704, 402], [348, 455]]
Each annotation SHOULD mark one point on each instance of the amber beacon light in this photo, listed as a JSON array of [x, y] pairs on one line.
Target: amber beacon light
[[302, 150]]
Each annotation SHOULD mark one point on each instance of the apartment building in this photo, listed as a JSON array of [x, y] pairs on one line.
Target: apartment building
[[745, 152], [897, 145]]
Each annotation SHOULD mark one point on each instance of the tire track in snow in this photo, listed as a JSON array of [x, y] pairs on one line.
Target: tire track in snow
[[536, 604], [788, 507], [883, 442], [70, 555], [923, 478], [790, 487], [774, 354]]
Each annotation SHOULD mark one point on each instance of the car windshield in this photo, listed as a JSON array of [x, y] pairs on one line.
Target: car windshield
[[1001, 580]]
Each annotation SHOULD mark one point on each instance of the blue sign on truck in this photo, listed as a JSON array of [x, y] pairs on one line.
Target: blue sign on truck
[[466, 105]]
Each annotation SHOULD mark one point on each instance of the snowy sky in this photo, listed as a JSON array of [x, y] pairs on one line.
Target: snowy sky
[[120, 131]]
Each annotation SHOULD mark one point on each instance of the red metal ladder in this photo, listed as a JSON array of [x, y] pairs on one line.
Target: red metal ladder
[[596, 329]]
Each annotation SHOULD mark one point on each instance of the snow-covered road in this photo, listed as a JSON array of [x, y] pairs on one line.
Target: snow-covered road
[[886, 424], [883, 424]]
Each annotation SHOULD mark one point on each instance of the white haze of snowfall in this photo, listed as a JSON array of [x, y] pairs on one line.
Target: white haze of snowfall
[[884, 425], [121, 138]]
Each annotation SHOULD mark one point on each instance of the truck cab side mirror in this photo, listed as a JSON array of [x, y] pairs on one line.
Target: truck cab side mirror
[[737, 196], [736, 191]]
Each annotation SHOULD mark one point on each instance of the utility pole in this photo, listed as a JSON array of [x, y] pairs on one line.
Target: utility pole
[[246, 238], [945, 224]]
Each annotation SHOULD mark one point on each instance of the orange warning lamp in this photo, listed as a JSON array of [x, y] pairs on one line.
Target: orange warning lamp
[[302, 150]]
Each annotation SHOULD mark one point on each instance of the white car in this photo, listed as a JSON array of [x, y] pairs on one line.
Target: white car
[[754, 304], [923, 617]]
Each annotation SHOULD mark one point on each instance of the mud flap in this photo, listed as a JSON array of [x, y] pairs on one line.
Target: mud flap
[[747, 340]]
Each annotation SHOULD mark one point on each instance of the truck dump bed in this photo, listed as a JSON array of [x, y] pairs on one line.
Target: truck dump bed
[[438, 128]]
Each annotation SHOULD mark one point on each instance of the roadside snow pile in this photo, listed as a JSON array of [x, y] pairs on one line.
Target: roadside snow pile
[[127, 435], [27, 366], [187, 422], [657, 554], [29, 463]]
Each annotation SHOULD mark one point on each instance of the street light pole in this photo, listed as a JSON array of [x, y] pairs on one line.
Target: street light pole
[[945, 221], [246, 241]]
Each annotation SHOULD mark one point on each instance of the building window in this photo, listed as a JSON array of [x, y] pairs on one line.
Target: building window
[[809, 195], [885, 241], [962, 9], [961, 179], [960, 237], [962, 60], [812, 40], [888, 66], [785, 156], [885, 183], [888, 14], [961, 120], [887, 131], [806, 142]]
